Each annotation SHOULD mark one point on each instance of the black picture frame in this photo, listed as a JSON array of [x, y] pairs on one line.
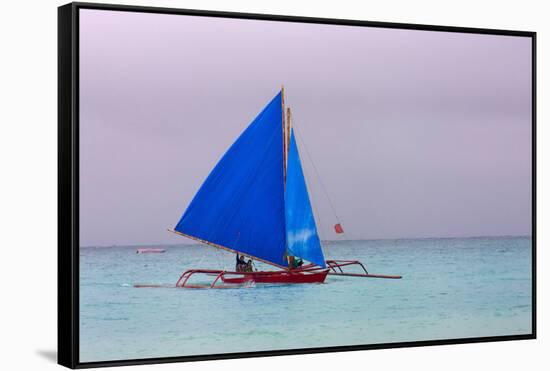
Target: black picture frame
[[68, 182]]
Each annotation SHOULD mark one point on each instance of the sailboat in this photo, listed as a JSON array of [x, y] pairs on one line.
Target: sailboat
[[255, 203]]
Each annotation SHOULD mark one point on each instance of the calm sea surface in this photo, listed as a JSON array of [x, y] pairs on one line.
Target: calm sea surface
[[451, 288]]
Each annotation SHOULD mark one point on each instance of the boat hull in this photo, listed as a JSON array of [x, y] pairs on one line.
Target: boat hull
[[282, 277], [150, 251]]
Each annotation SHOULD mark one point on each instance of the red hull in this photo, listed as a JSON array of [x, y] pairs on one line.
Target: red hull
[[279, 277]]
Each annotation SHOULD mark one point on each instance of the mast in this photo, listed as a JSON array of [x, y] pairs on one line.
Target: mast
[[286, 131], [285, 120], [283, 124]]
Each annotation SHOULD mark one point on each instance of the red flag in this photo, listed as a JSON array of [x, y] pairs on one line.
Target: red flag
[[338, 228]]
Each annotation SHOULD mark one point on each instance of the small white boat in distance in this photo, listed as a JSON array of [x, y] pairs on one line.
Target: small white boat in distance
[[149, 251]]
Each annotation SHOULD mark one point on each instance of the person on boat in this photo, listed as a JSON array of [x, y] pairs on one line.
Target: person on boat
[[295, 262], [249, 267], [240, 263]]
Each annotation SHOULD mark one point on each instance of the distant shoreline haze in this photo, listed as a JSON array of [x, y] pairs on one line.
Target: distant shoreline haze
[[414, 133]]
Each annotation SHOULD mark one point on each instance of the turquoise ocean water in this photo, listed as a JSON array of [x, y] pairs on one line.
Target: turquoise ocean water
[[451, 288]]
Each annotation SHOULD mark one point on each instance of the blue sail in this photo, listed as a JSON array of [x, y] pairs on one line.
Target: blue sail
[[240, 206], [302, 237]]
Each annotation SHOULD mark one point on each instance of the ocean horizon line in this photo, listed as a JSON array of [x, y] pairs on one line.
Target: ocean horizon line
[[322, 241]]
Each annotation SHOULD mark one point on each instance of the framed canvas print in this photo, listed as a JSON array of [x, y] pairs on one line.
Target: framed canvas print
[[239, 185]]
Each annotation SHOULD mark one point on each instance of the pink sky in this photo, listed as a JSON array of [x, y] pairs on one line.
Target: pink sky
[[414, 133]]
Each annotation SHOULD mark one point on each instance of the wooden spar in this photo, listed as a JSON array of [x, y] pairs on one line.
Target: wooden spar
[[224, 248], [285, 155], [286, 134], [288, 129], [366, 275]]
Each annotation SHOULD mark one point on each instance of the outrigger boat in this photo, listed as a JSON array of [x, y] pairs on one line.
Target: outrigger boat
[[150, 250], [255, 203]]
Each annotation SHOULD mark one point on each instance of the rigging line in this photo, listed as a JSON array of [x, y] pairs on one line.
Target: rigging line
[[317, 213], [314, 203], [316, 171], [327, 251]]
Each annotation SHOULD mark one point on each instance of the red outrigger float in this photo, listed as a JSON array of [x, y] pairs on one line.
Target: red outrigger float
[[310, 273], [336, 266], [306, 274]]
